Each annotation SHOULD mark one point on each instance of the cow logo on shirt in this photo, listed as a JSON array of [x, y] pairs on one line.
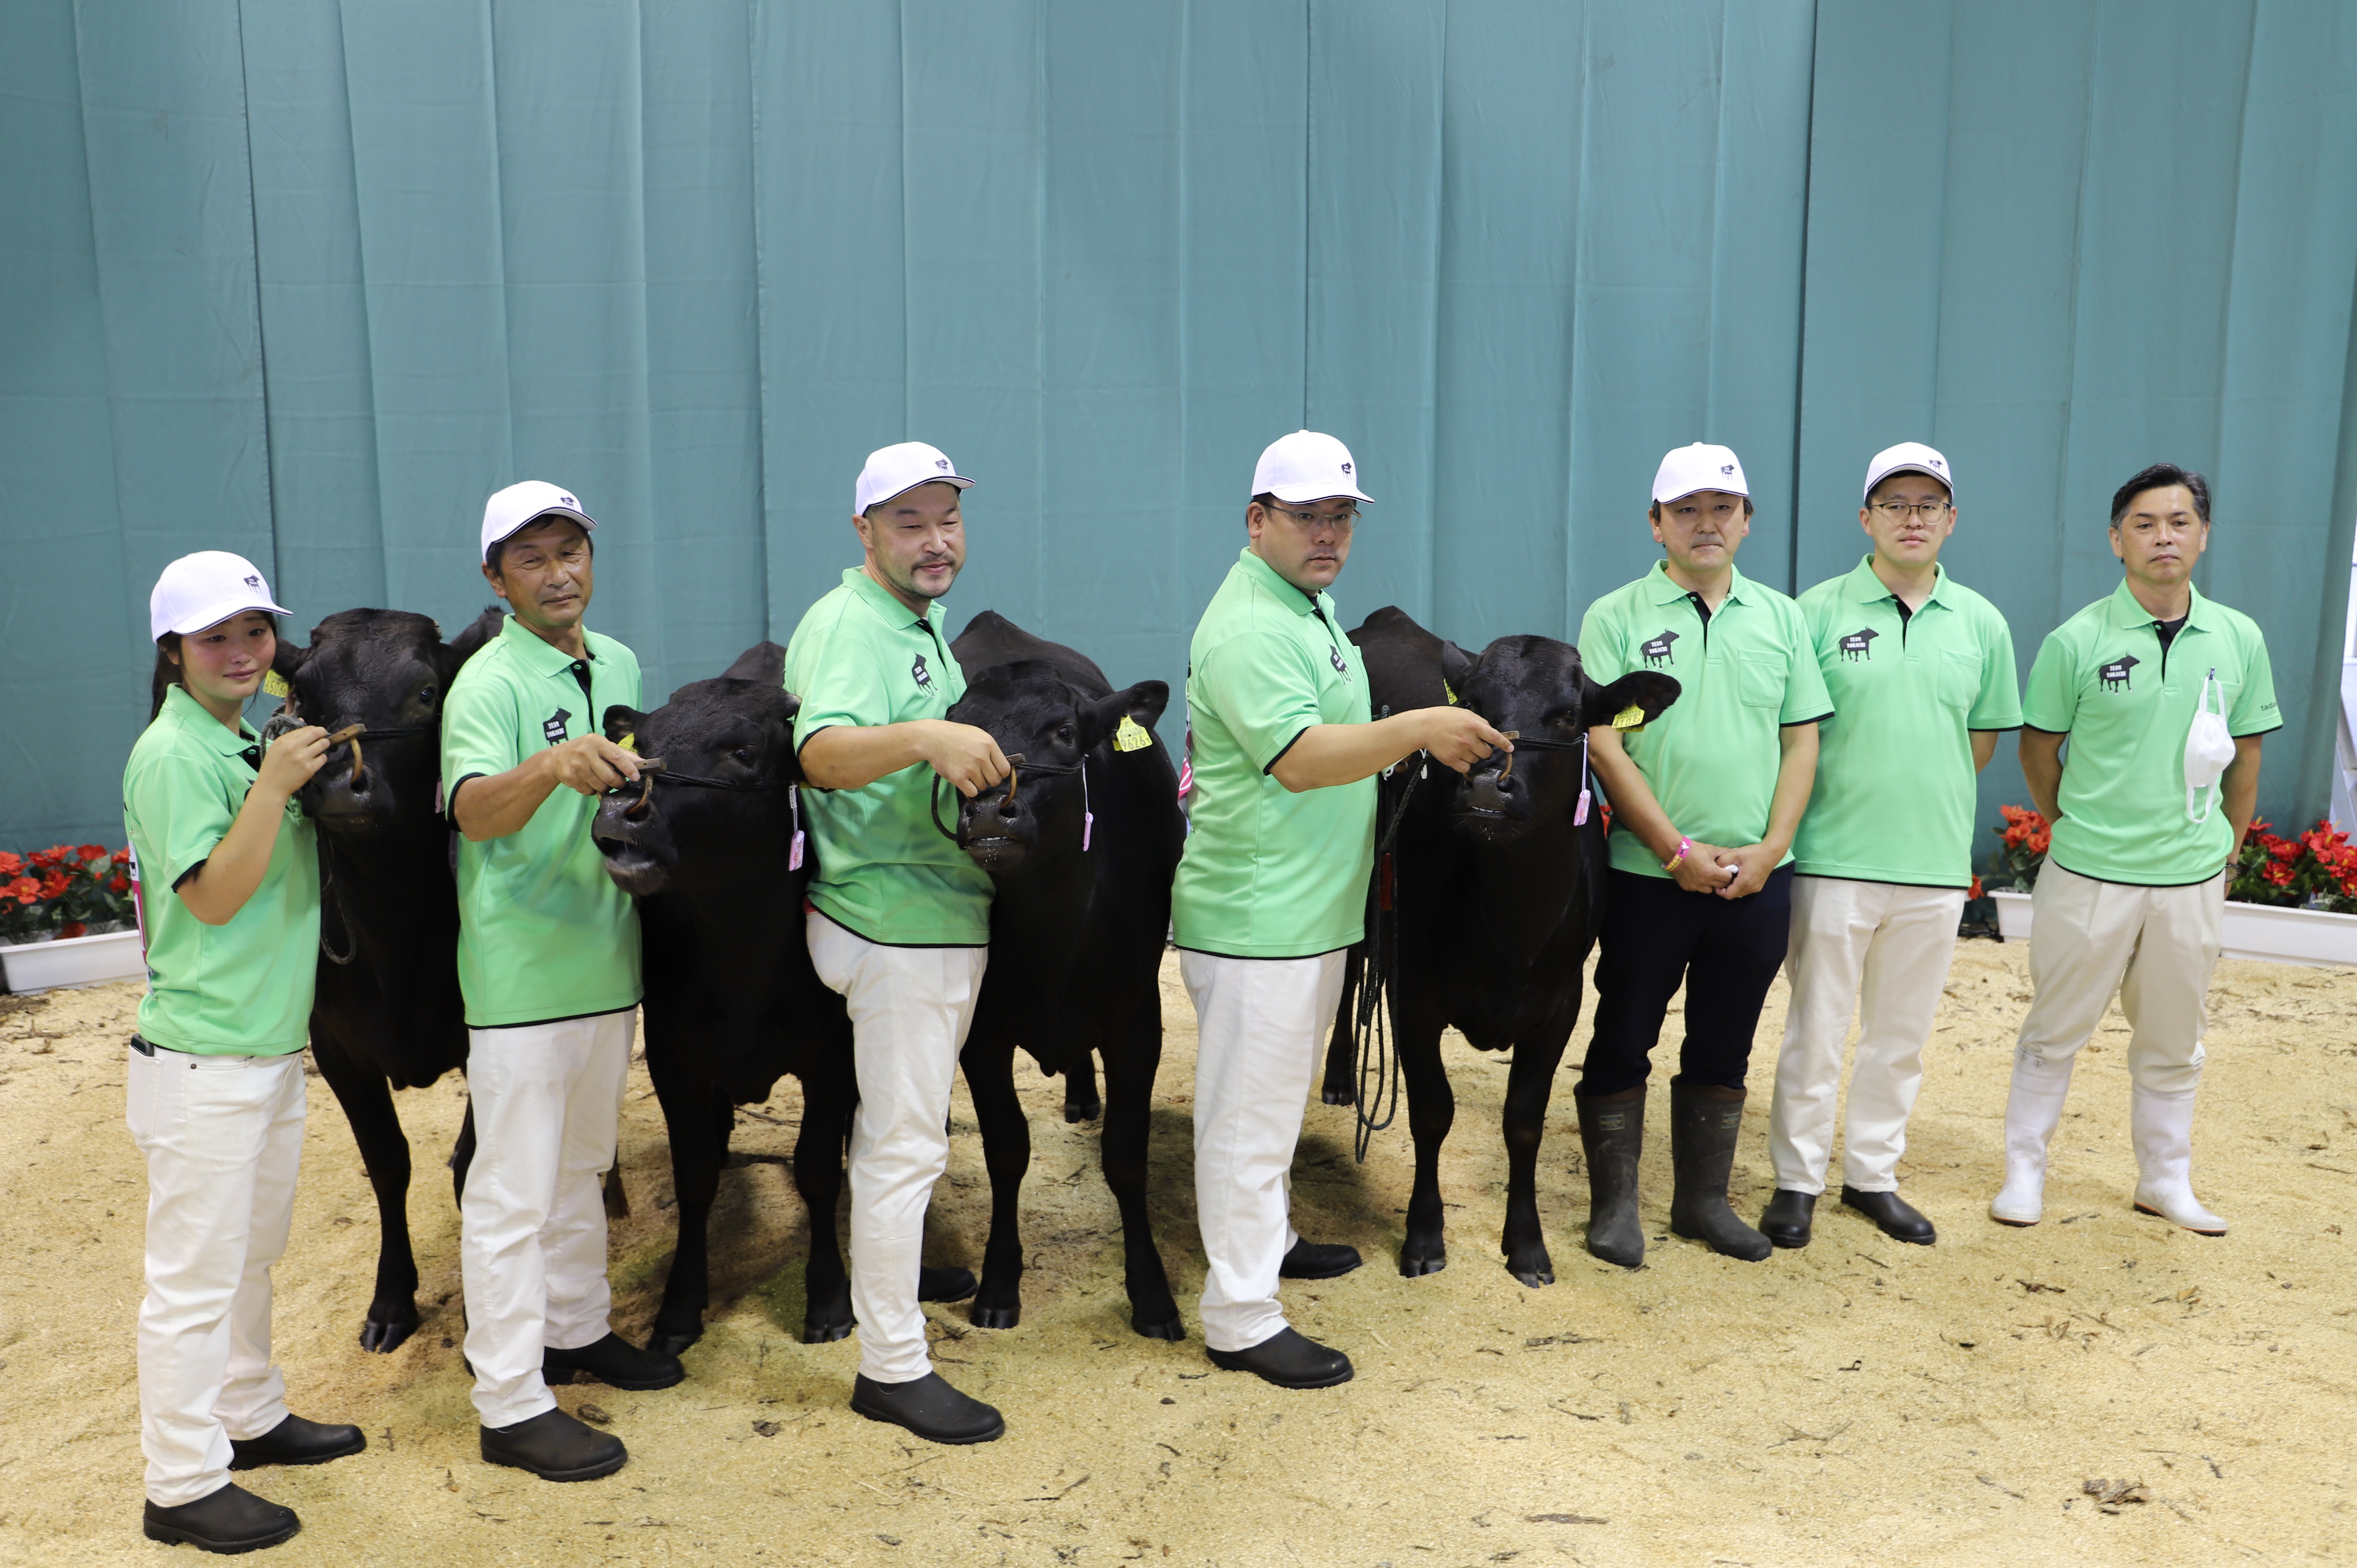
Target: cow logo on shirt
[[924, 676], [553, 726], [2114, 675], [1656, 649], [1857, 645], [1336, 655]]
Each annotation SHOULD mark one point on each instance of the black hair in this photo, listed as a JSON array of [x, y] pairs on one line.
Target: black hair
[[498, 549], [2161, 476], [167, 672], [1654, 511]]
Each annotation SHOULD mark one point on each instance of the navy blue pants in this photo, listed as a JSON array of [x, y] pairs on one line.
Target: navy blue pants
[[1656, 937]]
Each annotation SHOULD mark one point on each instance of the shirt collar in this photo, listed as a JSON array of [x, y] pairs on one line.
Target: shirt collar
[[887, 605], [2125, 613], [1295, 599], [1666, 590], [1869, 589], [541, 657], [191, 716]]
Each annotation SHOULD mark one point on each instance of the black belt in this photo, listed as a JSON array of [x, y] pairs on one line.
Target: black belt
[[146, 1048]]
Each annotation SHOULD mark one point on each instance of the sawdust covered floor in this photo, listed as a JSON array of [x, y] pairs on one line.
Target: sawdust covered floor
[[1857, 1402]]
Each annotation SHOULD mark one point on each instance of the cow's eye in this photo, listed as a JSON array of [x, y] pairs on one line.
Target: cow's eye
[[1064, 734], [743, 754], [426, 694]]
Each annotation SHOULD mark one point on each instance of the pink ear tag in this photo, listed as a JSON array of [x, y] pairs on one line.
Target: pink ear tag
[[794, 855], [1579, 817], [1088, 817]]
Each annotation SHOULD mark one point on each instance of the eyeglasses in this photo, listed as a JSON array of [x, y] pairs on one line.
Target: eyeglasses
[[1897, 511], [1339, 522]]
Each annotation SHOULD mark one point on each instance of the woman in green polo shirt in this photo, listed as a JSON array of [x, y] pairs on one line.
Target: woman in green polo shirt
[[229, 905]]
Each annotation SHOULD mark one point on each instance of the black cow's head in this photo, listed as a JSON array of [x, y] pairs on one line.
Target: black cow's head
[[734, 735], [1032, 711], [1537, 686], [387, 669]]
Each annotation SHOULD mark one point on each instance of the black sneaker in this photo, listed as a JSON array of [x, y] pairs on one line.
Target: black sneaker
[[613, 1361], [555, 1447], [1317, 1261], [295, 1441], [230, 1520], [930, 1407], [1289, 1359]]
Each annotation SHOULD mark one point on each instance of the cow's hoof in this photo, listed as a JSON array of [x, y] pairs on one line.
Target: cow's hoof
[[1415, 1265], [1335, 1096], [945, 1284], [383, 1335], [1082, 1112], [825, 1331], [662, 1342], [1544, 1274], [1174, 1329], [995, 1316]]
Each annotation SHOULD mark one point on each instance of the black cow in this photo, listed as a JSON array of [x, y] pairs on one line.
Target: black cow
[[1080, 843], [387, 1015], [1498, 892]]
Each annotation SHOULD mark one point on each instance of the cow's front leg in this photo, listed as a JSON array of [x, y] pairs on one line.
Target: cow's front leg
[[988, 1061], [367, 1100], [1431, 1109], [697, 1115], [1528, 1083], [1132, 1058], [827, 1096]]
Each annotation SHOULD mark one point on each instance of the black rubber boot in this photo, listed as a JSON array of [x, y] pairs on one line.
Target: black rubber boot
[[930, 1407], [1612, 1132], [1704, 1123], [613, 1361], [555, 1447], [1892, 1215], [1317, 1261], [295, 1441], [230, 1520], [1289, 1358], [1788, 1216], [945, 1284]]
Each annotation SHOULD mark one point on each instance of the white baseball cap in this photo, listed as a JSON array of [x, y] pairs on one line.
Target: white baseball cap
[[206, 589], [1307, 466], [891, 470], [1700, 466], [508, 511], [1908, 457]]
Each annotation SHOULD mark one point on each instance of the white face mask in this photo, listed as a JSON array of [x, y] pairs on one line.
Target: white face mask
[[2208, 748]]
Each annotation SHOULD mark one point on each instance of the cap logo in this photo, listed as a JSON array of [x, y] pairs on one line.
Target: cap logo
[[1726, 467], [255, 581], [568, 500], [942, 464], [1346, 467]]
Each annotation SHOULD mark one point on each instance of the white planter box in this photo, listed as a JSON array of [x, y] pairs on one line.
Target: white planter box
[[76, 961], [2264, 932]]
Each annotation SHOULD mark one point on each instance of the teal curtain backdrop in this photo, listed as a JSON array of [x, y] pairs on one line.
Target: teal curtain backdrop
[[309, 280]]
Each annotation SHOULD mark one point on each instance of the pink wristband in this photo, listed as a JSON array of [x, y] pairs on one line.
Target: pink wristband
[[1684, 845]]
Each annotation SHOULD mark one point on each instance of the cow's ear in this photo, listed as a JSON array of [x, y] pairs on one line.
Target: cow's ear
[[1141, 705], [289, 658], [793, 707], [471, 641], [622, 721], [1647, 691], [764, 662], [1457, 668]]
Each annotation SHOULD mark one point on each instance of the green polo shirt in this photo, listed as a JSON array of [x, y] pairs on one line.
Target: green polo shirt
[[544, 934], [862, 658], [1895, 799], [1268, 873], [2127, 704], [1744, 672], [242, 989]]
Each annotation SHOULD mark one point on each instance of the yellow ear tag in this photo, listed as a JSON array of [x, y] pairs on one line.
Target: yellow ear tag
[[1132, 736], [275, 684], [1449, 691], [628, 741], [1630, 717]]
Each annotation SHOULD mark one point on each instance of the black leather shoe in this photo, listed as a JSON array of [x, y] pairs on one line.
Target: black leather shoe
[[1897, 1219], [945, 1284], [555, 1447], [1317, 1261], [613, 1361], [1289, 1359], [1786, 1221], [295, 1441], [230, 1520], [930, 1407]]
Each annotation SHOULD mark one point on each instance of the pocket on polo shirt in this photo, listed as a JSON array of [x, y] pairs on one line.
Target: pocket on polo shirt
[[1762, 677], [1960, 678]]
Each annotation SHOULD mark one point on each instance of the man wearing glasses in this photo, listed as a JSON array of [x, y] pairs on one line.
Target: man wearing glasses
[[1705, 799], [1921, 672], [1273, 886]]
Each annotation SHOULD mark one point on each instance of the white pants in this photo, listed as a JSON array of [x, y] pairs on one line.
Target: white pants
[[2156, 947], [1879, 950], [1260, 1030], [531, 1223], [223, 1137], [910, 1008]]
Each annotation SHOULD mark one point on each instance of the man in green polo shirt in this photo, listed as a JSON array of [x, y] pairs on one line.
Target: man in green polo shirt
[[900, 916], [1272, 889], [2164, 696], [1704, 802], [1922, 676], [548, 963]]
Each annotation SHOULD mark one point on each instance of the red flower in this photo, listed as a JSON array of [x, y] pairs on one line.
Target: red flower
[[91, 851], [55, 883], [1976, 893], [10, 864], [118, 885], [2277, 874], [2039, 841], [48, 857], [25, 890], [71, 929], [121, 856]]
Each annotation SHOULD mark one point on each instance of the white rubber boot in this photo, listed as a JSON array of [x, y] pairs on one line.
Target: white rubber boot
[[2162, 1126], [2032, 1111]]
